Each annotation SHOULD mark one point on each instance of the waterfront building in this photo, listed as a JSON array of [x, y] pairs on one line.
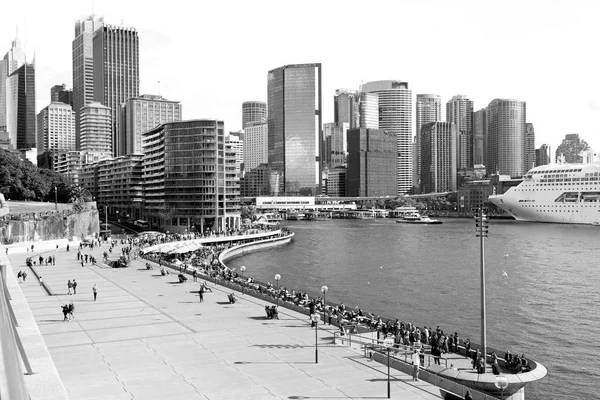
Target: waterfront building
[[56, 128], [459, 110], [334, 144], [428, 109], [253, 111], [11, 61], [345, 108], [142, 113], [474, 194], [235, 143], [479, 137], [186, 184], [116, 183], [570, 148], [439, 158], [96, 132], [83, 68], [255, 149], [60, 93], [543, 155], [368, 106], [336, 182], [529, 146], [116, 75], [295, 123], [20, 107], [371, 163], [395, 117], [506, 137]]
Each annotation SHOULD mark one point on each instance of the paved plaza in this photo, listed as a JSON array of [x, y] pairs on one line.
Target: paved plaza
[[148, 337]]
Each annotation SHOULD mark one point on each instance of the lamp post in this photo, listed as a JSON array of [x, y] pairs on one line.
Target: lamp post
[[388, 342], [117, 215], [277, 278], [55, 198], [324, 290], [316, 318], [481, 227], [243, 269], [501, 382]]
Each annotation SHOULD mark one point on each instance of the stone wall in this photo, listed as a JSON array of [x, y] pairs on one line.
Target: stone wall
[[50, 226]]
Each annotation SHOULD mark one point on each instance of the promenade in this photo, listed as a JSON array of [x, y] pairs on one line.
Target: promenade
[[148, 337]]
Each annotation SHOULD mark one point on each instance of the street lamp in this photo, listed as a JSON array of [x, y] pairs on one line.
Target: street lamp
[[55, 198], [481, 227], [277, 278], [118, 216], [501, 382], [316, 318], [324, 290], [388, 342], [243, 269]]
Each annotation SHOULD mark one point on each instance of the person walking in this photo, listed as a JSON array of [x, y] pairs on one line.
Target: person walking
[[70, 286], [416, 362], [95, 291], [24, 275], [74, 287], [41, 281], [71, 310], [201, 293]]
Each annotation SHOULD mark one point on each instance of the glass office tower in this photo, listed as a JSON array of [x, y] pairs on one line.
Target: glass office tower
[[294, 124]]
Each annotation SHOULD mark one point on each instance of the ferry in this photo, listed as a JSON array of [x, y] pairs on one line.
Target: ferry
[[416, 218], [269, 217], [400, 212], [564, 193]]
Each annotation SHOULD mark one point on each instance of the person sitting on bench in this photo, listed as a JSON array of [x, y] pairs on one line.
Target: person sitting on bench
[[182, 278]]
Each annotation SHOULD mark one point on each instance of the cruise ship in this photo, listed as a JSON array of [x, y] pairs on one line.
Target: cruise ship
[[565, 193]]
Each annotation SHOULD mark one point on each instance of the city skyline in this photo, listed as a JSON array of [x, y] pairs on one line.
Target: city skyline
[[558, 63]]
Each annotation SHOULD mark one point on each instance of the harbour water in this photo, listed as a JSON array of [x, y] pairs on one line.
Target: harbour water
[[546, 305]]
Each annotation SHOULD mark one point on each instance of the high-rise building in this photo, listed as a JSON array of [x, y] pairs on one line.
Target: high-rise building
[[371, 163], [439, 158], [506, 137], [336, 182], [479, 137], [571, 148], [529, 147], [368, 110], [295, 121], [334, 144], [345, 108], [186, 182], [140, 114], [20, 107], [253, 111], [61, 94], [56, 128], [96, 132], [83, 67], [256, 149], [116, 74], [543, 156], [395, 117], [11, 61], [459, 110], [428, 108], [235, 142]]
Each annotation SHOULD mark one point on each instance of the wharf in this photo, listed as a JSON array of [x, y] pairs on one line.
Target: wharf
[[148, 337]]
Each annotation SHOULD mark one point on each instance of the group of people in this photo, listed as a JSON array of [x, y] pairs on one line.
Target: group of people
[[272, 312], [22, 276], [516, 363], [68, 310], [72, 286]]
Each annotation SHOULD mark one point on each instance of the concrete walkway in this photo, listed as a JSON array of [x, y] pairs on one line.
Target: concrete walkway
[[148, 337]]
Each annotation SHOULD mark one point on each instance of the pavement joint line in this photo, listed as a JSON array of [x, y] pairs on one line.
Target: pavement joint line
[[112, 327], [111, 370], [169, 335], [143, 301]]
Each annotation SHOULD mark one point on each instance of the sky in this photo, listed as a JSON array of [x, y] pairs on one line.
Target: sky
[[214, 55]]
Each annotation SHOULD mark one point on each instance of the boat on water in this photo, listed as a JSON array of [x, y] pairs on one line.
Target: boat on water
[[416, 218], [296, 215], [564, 193], [400, 212]]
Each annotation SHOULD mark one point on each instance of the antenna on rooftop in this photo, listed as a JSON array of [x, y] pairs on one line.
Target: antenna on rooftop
[[159, 88]]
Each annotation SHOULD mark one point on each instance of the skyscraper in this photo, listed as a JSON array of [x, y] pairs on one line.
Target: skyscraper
[[571, 147], [62, 94], [368, 110], [140, 114], [529, 147], [56, 128], [20, 107], [543, 155], [83, 68], [256, 149], [253, 111], [345, 108], [295, 121], [479, 137], [96, 132], [116, 74], [459, 110], [395, 117], [439, 157], [506, 137], [334, 144], [12, 60], [428, 109]]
